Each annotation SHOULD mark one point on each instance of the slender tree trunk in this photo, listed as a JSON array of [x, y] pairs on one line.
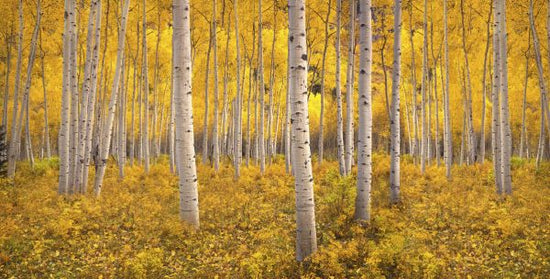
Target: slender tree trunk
[[306, 236], [206, 101], [270, 150], [91, 101], [495, 133], [215, 135], [185, 152], [323, 74], [250, 82], [469, 117], [261, 141], [225, 104], [425, 127], [504, 111], [155, 146], [15, 139], [47, 143], [85, 91], [448, 145], [145, 133], [484, 90], [415, 147], [238, 101], [349, 90], [395, 121], [339, 113], [523, 126], [7, 84], [107, 130], [364, 141], [75, 98]]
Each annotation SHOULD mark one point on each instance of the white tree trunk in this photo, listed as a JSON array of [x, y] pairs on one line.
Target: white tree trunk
[[448, 145], [145, 133], [323, 74], [395, 121], [349, 90], [306, 236], [364, 140], [260, 131], [495, 131], [238, 101], [107, 130], [215, 134], [505, 130], [339, 113], [15, 139], [424, 88], [185, 152]]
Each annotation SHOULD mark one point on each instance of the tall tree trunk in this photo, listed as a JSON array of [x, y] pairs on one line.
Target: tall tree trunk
[[155, 147], [349, 90], [215, 134], [270, 150], [484, 90], [145, 133], [185, 152], [15, 139], [306, 236], [205, 120], [448, 145], [47, 143], [495, 132], [395, 121], [364, 141], [323, 74], [523, 126], [469, 117], [7, 84], [424, 144], [415, 147], [339, 113], [85, 91], [107, 130], [225, 104], [238, 101], [261, 141], [250, 82], [75, 98], [91, 101]]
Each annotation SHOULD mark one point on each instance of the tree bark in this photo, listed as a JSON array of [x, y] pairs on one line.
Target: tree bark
[[261, 140], [215, 134], [339, 113], [185, 152], [107, 130], [349, 90], [364, 140], [238, 101], [145, 133], [395, 121], [448, 145], [306, 236], [323, 74]]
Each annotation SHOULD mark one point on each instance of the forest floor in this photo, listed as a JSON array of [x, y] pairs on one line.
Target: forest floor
[[442, 229]]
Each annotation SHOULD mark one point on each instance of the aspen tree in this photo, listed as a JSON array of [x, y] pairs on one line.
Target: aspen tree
[[350, 89], [185, 152], [495, 132], [261, 140], [215, 134], [448, 146], [424, 140], [238, 108], [306, 236], [505, 130], [524, 103], [15, 140], [364, 140], [339, 113], [44, 88], [206, 101], [484, 89], [145, 132], [395, 121], [7, 82], [323, 74], [107, 130]]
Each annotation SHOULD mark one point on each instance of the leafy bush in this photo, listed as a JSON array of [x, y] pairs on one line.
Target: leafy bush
[[442, 229]]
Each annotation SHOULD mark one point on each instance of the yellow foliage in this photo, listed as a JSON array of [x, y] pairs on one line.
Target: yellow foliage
[[442, 229]]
